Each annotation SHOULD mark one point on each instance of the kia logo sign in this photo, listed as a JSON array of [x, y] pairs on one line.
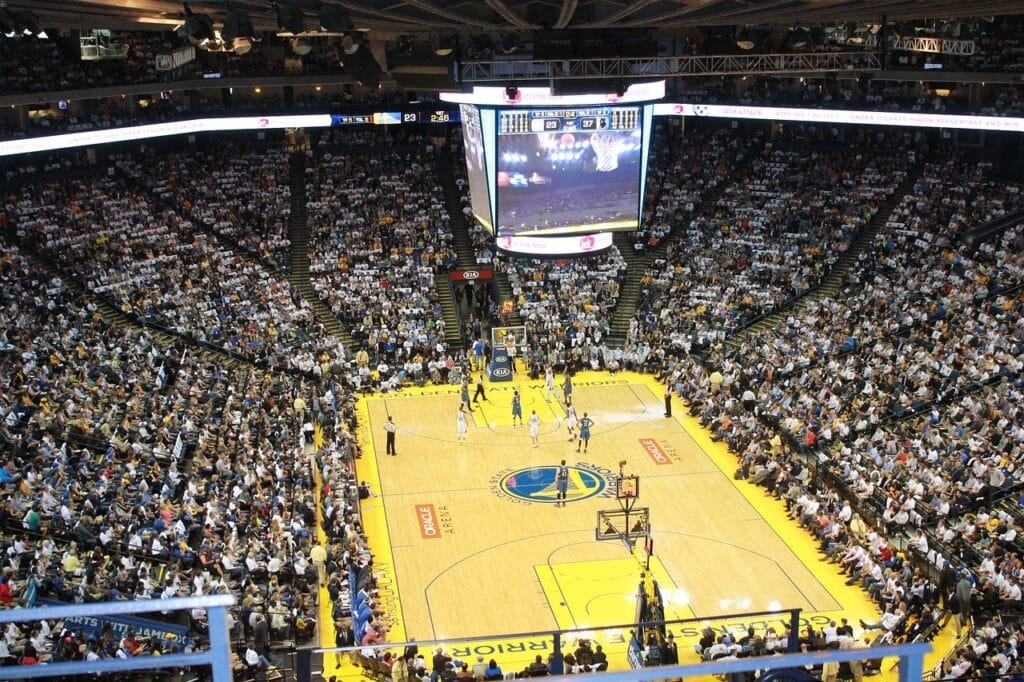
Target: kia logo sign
[[470, 274], [501, 372]]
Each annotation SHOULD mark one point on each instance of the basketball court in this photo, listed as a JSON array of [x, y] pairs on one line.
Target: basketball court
[[468, 541]]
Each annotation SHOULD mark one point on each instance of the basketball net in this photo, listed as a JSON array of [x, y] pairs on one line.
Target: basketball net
[[607, 148]]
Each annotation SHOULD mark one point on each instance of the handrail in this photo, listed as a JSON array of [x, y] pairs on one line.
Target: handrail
[[218, 656], [980, 233]]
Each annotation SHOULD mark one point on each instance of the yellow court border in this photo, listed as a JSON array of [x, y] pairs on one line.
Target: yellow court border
[[853, 600]]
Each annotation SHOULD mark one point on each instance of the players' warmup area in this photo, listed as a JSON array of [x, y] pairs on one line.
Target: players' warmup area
[[468, 540]]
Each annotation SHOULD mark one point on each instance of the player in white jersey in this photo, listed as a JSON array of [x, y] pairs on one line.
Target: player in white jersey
[[549, 383], [534, 427], [571, 421], [460, 423]]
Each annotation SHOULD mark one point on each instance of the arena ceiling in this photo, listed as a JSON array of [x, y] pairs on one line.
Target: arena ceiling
[[467, 16]]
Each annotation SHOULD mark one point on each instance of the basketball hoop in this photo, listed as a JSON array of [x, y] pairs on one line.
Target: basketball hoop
[[607, 147]]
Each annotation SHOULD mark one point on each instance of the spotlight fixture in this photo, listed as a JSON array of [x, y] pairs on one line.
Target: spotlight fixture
[[198, 27], [744, 40], [7, 23], [511, 92], [333, 19], [445, 47], [237, 33], [798, 38], [290, 18], [510, 43], [301, 46], [29, 25], [854, 34]]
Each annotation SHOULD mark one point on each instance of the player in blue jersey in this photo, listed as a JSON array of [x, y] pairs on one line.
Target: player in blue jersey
[[517, 409], [561, 484], [584, 440]]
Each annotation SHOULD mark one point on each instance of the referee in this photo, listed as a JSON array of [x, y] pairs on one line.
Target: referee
[[391, 429]]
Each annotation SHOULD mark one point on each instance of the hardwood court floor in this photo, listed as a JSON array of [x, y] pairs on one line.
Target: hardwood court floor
[[468, 542]]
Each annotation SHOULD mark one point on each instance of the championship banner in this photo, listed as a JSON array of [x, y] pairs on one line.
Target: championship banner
[[500, 367], [471, 274]]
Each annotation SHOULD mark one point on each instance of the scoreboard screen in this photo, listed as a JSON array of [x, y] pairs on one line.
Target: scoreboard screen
[[476, 163], [569, 170]]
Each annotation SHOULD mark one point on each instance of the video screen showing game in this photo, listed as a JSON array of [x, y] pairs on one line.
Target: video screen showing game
[[564, 171]]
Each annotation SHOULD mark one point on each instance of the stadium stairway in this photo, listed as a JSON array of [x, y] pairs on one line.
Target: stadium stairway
[[454, 334], [637, 263], [298, 235], [833, 281], [463, 246], [461, 241]]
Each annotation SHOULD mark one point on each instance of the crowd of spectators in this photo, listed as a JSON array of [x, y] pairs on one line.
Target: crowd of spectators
[[138, 471], [566, 302], [772, 235], [683, 170], [239, 190], [903, 388], [379, 234], [154, 263]]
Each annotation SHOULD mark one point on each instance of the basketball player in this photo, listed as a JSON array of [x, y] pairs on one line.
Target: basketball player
[[549, 383], [517, 409], [567, 388], [585, 425], [510, 348], [571, 421], [534, 427], [464, 395], [460, 423], [561, 484]]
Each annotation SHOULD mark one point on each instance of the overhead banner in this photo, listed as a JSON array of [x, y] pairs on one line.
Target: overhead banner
[[143, 627], [852, 116], [177, 58], [88, 138]]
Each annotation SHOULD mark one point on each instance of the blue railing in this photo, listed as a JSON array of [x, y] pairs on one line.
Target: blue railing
[[218, 656], [911, 658]]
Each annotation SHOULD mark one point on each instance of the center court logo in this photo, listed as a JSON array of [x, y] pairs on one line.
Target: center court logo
[[538, 484]]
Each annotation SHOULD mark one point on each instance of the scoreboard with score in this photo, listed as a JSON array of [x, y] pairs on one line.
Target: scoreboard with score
[[569, 120]]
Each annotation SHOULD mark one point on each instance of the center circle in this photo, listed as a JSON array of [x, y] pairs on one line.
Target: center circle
[[538, 484]]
